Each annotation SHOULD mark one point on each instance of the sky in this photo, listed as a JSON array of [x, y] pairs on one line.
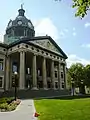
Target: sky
[[56, 19]]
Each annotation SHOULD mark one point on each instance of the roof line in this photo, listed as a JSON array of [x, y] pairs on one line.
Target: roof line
[[26, 39]]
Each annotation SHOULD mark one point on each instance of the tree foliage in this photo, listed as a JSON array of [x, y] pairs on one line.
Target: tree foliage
[[87, 75], [76, 71], [82, 7], [80, 75]]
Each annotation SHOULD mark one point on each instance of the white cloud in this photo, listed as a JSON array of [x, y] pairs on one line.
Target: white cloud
[[74, 33], [85, 45], [87, 24], [75, 59], [44, 27], [74, 28], [62, 34], [66, 30]]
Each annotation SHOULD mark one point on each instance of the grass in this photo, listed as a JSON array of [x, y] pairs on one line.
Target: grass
[[55, 109]]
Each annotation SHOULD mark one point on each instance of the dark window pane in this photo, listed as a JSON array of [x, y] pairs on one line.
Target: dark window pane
[[61, 74], [55, 74], [62, 85], [0, 81]]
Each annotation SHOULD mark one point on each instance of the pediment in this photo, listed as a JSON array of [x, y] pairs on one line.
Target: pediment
[[48, 45]]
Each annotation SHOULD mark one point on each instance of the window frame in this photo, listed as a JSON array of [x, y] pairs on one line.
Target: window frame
[[56, 74], [2, 63], [2, 81]]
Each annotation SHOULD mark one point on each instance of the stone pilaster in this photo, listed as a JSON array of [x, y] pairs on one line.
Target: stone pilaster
[[34, 72], [10, 81], [7, 77], [65, 77], [44, 76], [22, 70], [59, 76], [52, 74]]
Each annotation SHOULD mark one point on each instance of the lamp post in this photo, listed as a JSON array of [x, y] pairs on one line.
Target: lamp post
[[72, 82], [82, 87], [15, 73]]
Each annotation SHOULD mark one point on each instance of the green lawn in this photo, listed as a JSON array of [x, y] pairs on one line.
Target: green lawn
[[54, 109]]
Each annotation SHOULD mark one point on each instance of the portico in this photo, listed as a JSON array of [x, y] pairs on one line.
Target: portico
[[35, 71]]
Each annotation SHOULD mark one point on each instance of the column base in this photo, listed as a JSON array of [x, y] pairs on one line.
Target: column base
[[54, 88], [34, 88], [45, 88]]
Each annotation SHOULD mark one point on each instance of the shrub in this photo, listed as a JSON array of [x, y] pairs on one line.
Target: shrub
[[3, 100], [8, 104], [11, 107], [3, 106], [6, 100]]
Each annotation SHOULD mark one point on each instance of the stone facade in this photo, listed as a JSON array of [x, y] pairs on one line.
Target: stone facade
[[38, 61], [47, 70]]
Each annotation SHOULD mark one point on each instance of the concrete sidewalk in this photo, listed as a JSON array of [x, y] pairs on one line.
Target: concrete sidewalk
[[25, 111]]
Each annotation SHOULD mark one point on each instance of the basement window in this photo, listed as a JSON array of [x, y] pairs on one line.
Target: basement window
[[1, 82], [62, 85]]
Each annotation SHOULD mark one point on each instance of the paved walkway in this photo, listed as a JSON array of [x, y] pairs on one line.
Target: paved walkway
[[25, 111]]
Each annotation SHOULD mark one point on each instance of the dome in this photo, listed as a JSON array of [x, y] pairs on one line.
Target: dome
[[21, 23], [20, 20]]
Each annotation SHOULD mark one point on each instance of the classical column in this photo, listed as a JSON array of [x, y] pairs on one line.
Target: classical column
[[65, 77], [34, 72], [22, 70], [59, 75], [44, 78], [52, 74], [7, 76]]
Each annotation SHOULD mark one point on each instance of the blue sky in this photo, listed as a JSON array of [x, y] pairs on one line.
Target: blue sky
[[55, 19]]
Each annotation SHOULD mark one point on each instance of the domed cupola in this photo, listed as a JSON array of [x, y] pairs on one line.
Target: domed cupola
[[20, 27]]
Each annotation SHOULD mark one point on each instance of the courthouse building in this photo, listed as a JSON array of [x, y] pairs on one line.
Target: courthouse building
[[39, 62]]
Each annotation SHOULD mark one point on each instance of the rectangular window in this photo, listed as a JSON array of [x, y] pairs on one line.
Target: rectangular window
[[56, 84], [1, 82], [1, 64], [62, 85], [55, 74], [61, 74]]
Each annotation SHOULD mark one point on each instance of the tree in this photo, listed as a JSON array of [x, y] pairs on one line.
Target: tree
[[87, 75], [82, 7], [76, 72]]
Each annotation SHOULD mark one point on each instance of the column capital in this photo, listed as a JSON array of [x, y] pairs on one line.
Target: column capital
[[21, 50], [35, 54]]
